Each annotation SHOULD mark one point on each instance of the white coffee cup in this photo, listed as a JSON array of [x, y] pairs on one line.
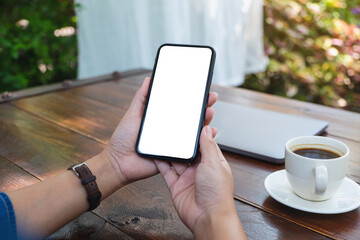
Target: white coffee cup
[[315, 179]]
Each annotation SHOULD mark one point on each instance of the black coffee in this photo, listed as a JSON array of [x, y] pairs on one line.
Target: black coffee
[[316, 153]]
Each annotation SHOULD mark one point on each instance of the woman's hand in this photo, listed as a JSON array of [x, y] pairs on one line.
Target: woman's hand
[[203, 193]]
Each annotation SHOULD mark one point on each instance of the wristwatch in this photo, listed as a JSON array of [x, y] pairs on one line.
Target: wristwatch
[[89, 181]]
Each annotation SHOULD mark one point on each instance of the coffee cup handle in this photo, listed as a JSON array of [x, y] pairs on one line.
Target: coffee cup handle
[[321, 180]]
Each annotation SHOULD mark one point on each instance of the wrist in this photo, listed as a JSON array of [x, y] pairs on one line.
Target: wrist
[[219, 223], [108, 178]]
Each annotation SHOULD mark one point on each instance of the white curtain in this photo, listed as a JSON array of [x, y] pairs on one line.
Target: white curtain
[[125, 34]]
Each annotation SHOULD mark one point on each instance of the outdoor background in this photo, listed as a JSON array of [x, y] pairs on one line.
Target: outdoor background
[[313, 48]]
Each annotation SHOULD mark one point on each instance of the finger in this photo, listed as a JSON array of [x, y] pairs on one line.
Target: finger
[[180, 167], [213, 97], [214, 131], [170, 177], [139, 99], [208, 147], [209, 114], [143, 90]]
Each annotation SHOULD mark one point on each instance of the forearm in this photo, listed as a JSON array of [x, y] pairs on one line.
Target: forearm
[[223, 224], [43, 208]]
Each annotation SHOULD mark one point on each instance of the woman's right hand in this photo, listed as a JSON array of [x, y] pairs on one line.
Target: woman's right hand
[[203, 193]]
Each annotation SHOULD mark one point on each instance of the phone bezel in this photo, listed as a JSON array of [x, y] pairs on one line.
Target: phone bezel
[[203, 109]]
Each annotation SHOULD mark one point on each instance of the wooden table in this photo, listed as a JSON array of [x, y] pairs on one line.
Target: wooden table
[[40, 136]]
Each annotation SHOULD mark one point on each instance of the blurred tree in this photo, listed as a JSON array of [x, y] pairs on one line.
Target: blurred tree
[[37, 43], [314, 52]]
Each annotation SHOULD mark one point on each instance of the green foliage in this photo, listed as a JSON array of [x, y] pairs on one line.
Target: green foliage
[[314, 52], [30, 53], [313, 48]]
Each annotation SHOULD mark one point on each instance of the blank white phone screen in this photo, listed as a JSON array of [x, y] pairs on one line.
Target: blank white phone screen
[[174, 109]]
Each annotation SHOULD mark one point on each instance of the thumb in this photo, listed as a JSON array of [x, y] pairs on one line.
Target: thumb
[[208, 147], [139, 100]]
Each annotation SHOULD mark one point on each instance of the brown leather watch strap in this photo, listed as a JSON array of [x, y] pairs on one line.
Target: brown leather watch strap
[[89, 182]]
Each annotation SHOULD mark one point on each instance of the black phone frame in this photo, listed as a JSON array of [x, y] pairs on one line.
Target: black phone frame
[[203, 110]]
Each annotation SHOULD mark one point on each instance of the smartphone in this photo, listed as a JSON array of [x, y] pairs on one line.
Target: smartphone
[[176, 103]]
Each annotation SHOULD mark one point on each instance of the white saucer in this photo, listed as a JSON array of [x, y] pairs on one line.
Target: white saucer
[[347, 198]]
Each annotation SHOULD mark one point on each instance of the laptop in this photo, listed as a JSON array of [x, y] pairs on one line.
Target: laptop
[[259, 133]]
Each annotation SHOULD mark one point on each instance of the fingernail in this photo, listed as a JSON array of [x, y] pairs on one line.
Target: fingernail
[[208, 131]]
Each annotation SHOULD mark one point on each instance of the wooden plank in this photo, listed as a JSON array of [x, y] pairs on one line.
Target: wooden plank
[[88, 226], [93, 111], [145, 207], [262, 225], [88, 117], [249, 176], [335, 117], [12, 177], [41, 148], [117, 93]]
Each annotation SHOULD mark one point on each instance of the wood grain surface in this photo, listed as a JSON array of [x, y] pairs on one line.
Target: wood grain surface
[[144, 208], [88, 226], [42, 135], [82, 115], [13, 177], [41, 148], [93, 110]]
